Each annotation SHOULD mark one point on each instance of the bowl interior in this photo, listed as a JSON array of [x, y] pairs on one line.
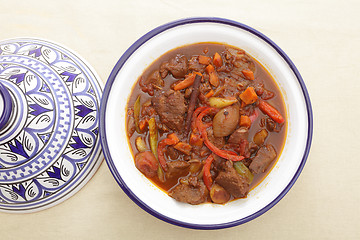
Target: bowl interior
[[154, 200]]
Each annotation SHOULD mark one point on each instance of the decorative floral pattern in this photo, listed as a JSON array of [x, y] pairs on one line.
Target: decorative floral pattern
[[53, 146]]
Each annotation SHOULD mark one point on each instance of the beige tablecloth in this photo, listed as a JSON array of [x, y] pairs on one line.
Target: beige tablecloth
[[321, 37]]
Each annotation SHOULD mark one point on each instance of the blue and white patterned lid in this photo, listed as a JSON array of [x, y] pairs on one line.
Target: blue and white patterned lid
[[50, 146]]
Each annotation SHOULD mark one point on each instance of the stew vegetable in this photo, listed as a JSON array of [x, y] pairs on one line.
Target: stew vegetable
[[206, 123]]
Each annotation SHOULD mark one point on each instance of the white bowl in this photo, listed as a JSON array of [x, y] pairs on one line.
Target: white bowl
[[113, 115]]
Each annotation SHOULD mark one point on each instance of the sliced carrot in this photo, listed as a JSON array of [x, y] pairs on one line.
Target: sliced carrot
[[173, 138], [248, 96], [196, 140], [249, 75], [214, 79], [217, 60], [204, 60], [210, 93], [245, 121], [210, 69], [183, 147], [187, 82], [272, 112]]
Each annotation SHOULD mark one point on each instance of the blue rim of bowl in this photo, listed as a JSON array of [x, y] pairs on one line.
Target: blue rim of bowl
[[107, 90], [5, 116]]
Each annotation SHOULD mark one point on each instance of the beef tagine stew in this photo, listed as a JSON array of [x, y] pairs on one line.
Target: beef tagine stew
[[206, 122]]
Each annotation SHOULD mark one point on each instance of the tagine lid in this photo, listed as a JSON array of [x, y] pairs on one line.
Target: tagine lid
[[49, 142]]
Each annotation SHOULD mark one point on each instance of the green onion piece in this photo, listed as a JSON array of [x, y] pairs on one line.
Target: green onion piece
[[153, 139], [243, 171], [153, 135], [160, 174]]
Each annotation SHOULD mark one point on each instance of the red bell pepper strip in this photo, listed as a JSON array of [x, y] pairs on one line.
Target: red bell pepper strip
[[271, 111], [229, 152], [206, 171], [194, 116], [171, 139], [202, 129]]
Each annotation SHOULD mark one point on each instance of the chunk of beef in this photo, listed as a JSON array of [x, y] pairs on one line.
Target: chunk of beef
[[231, 87], [171, 109], [176, 168], [163, 70], [264, 156], [177, 66], [231, 181], [238, 135], [241, 60], [192, 192], [155, 79], [263, 92], [194, 65], [148, 84]]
